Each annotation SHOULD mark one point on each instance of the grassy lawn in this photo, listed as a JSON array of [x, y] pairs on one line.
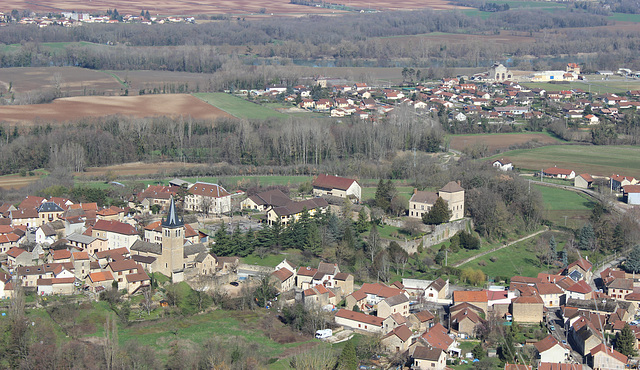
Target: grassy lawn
[[594, 83], [559, 199], [595, 160], [271, 260], [370, 192], [238, 107]]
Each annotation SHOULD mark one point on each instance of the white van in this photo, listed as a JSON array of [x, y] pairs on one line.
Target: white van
[[324, 333]]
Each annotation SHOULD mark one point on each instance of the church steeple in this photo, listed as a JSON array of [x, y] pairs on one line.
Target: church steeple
[[172, 220]]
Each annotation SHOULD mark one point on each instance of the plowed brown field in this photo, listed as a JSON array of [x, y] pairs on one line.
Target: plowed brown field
[[499, 141], [68, 109]]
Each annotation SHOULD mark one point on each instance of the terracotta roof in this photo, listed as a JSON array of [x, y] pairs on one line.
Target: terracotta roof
[[583, 263], [581, 287], [427, 353], [15, 252], [517, 367], [139, 276], [360, 317], [438, 284], [77, 256], [61, 254], [380, 290], [402, 332], [124, 265], [52, 281], [115, 227], [342, 276], [556, 366], [548, 288], [466, 314], [528, 299], [209, 190], [621, 283], [586, 177], [525, 279], [100, 276], [424, 316], [332, 182], [23, 213], [469, 296], [359, 295], [631, 188], [620, 178], [437, 337], [547, 343], [307, 271], [283, 274], [452, 187], [31, 201], [610, 351], [557, 171]]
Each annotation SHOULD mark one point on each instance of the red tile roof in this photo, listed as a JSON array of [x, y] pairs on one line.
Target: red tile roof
[[437, 337], [380, 290], [470, 296], [77, 256], [555, 366], [631, 188], [100, 276], [517, 367], [113, 252], [15, 252], [115, 227], [583, 263], [307, 271], [402, 332], [609, 351], [581, 287], [332, 182], [360, 317], [586, 177], [61, 254], [283, 274], [208, 190], [547, 343]]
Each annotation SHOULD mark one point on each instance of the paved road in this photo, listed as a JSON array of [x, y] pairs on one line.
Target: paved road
[[500, 247]]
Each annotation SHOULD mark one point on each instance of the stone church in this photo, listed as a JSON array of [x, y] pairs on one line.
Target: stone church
[[175, 256]]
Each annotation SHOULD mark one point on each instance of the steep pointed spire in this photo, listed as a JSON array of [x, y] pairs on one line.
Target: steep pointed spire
[[172, 219]]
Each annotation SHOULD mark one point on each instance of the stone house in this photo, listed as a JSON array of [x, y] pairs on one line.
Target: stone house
[[552, 295], [266, 199], [429, 358], [283, 279], [397, 340], [99, 281], [421, 202], [117, 234], [601, 357], [584, 181], [466, 321], [527, 309], [438, 289], [396, 304], [473, 297], [294, 210], [207, 198], [421, 321]]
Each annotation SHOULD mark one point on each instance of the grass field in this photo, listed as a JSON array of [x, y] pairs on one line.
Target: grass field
[[595, 160], [52, 46], [594, 83], [564, 207], [625, 17], [238, 107], [496, 142]]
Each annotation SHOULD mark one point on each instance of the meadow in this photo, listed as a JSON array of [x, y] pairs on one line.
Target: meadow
[[593, 83], [595, 160], [238, 107]]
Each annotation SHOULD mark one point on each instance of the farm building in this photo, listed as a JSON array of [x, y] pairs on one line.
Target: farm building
[[631, 194], [584, 181], [619, 181], [503, 164], [559, 173], [337, 186]]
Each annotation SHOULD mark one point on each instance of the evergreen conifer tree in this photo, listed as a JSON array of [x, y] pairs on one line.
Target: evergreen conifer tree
[[626, 341]]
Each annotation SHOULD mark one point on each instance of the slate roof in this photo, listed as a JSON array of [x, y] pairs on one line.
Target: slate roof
[[297, 207], [438, 284], [49, 207], [172, 220], [144, 246], [396, 300], [147, 260]]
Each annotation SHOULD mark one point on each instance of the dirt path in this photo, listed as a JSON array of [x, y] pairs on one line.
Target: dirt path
[[500, 247]]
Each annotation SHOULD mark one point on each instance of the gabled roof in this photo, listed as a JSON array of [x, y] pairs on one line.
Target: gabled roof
[[424, 316], [621, 283], [437, 337], [60, 254], [297, 207], [609, 351], [359, 317], [115, 227], [556, 366], [466, 314], [586, 177], [273, 197], [208, 190], [124, 265], [557, 171], [23, 213], [307, 271], [100, 276], [427, 353], [283, 274], [438, 284], [582, 263], [112, 253], [396, 300], [580, 287], [358, 295], [15, 252], [547, 343], [332, 182], [380, 290], [79, 256], [426, 197], [342, 276], [31, 201], [139, 276], [548, 288], [402, 332], [470, 296], [631, 189]]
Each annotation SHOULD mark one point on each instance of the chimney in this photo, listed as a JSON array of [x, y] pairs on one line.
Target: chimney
[[415, 190], [459, 183]]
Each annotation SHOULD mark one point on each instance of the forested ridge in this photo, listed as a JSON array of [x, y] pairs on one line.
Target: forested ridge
[[205, 48]]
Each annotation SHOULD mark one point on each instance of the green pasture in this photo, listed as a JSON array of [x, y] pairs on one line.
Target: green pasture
[[370, 192], [595, 160], [238, 107], [594, 84], [52, 46], [557, 199], [622, 17]]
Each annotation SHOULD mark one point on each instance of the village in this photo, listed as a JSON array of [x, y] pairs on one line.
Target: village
[[496, 96], [75, 19], [55, 247]]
